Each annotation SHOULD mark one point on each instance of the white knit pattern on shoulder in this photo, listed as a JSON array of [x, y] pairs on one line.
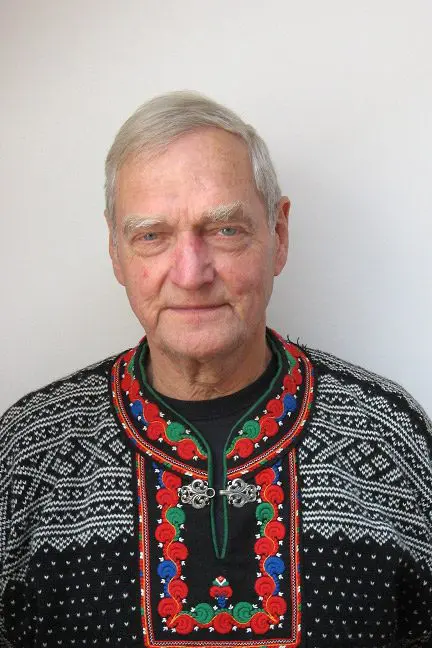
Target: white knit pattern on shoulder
[[66, 471], [365, 461]]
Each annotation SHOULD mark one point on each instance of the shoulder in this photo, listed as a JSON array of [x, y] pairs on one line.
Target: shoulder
[[380, 405], [80, 395], [366, 459]]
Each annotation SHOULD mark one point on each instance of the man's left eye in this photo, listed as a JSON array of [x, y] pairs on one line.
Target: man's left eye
[[228, 231]]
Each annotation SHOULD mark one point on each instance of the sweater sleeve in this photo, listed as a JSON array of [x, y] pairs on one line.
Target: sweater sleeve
[[14, 532], [6, 468]]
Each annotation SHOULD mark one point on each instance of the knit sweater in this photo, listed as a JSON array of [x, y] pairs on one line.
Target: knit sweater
[[107, 514]]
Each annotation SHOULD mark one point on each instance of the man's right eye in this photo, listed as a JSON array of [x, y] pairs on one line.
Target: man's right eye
[[149, 236]]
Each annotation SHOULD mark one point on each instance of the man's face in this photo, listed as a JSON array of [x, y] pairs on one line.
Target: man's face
[[194, 250]]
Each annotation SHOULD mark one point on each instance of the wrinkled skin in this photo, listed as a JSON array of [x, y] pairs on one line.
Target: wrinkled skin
[[198, 285]]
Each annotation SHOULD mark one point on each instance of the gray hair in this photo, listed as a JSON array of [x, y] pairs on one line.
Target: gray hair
[[160, 121]]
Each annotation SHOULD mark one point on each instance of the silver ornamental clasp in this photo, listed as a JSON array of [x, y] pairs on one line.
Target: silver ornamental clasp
[[197, 493], [240, 493]]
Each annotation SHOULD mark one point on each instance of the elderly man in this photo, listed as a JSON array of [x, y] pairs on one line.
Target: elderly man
[[216, 485]]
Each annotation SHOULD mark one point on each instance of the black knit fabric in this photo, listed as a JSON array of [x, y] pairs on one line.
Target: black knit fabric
[[336, 550]]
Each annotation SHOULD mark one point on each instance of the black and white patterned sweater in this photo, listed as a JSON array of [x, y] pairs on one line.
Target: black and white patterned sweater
[[107, 515]]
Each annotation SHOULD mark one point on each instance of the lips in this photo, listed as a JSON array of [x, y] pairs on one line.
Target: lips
[[196, 310], [187, 307]]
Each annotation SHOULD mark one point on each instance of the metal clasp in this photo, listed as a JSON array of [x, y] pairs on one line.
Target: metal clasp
[[240, 493], [197, 493]]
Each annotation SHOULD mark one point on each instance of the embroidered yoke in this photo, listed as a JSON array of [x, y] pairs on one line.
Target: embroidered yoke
[[108, 534]]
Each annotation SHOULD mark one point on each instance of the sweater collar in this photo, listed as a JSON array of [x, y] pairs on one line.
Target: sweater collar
[[269, 427]]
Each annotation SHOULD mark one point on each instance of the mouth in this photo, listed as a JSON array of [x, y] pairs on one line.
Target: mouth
[[198, 309]]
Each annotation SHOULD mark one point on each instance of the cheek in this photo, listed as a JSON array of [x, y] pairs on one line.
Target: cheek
[[254, 272], [248, 283], [140, 283], [135, 271]]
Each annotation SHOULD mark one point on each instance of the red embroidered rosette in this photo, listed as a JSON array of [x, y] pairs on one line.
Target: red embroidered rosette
[[265, 477], [171, 480], [274, 494], [168, 607], [290, 385], [277, 606], [187, 449], [223, 623], [260, 623], [264, 586], [151, 411], [184, 624], [269, 426], [177, 551], [156, 429], [264, 547], [275, 407], [178, 589], [167, 497], [244, 447]]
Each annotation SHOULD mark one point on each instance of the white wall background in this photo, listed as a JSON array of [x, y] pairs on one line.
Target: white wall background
[[341, 91]]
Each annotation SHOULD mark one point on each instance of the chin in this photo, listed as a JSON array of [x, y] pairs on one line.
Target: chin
[[201, 345]]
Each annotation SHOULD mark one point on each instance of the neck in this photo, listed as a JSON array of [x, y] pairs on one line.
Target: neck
[[191, 379]]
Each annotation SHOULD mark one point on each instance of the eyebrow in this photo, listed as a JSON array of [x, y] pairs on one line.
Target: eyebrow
[[218, 214], [135, 222], [222, 213]]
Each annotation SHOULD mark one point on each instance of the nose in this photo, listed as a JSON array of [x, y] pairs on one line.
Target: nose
[[192, 263]]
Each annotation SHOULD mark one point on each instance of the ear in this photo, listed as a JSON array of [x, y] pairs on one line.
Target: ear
[[281, 235], [114, 252]]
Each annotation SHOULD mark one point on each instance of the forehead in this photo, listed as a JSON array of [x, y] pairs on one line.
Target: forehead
[[200, 168]]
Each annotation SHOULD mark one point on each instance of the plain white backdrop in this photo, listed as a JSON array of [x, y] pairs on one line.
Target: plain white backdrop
[[342, 93]]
